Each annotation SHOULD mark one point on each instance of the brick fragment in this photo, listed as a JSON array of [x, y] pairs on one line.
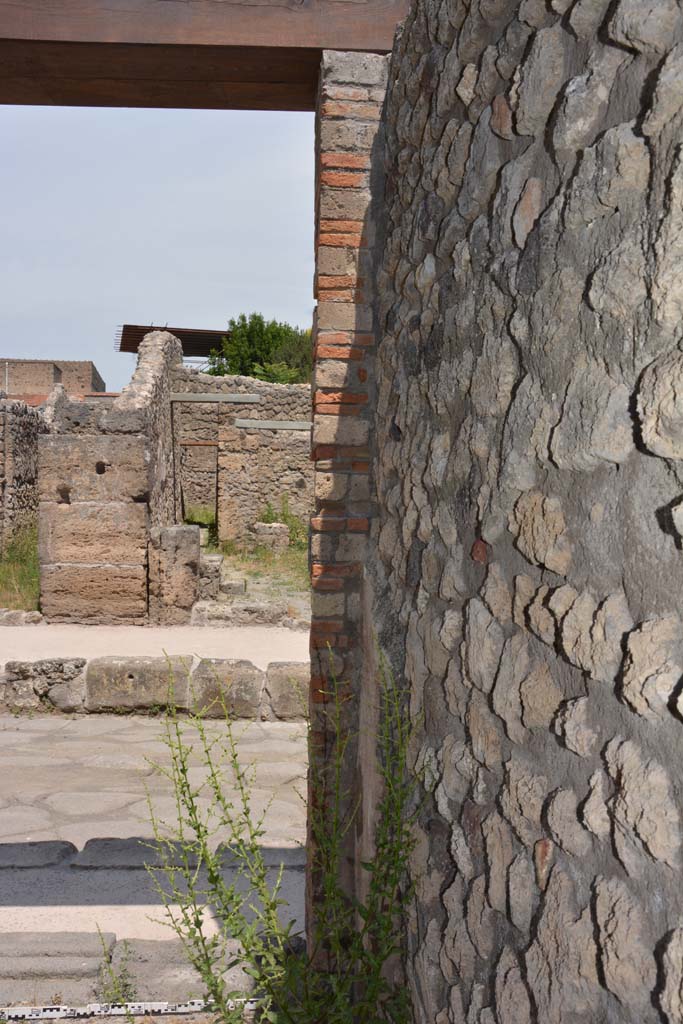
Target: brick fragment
[[336, 241], [480, 552], [340, 295], [341, 226], [345, 92], [345, 338], [325, 570], [328, 525], [358, 111], [320, 626], [339, 352], [327, 585], [344, 179], [349, 397], [333, 451], [351, 160], [339, 641], [339, 281], [338, 410]]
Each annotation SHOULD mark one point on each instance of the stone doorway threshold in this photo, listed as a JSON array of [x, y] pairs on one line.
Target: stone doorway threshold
[[258, 644]]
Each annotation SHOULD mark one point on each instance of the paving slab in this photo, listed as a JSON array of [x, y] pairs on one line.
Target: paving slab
[[258, 644]]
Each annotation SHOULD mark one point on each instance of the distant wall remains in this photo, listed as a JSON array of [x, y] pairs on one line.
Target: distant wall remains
[[235, 470], [39, 376], [19, 430]]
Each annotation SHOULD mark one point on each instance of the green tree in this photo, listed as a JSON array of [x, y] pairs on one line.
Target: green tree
[[265, 349]]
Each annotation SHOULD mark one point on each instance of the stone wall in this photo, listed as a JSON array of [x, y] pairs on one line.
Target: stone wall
[[19, 430], [132, 684], [106, 477], [257, 468], [527, 565], [198, 428]]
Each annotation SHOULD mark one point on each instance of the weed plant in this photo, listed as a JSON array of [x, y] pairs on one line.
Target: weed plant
[[298, 528], [20, 572], [116, 984], [346, 975]]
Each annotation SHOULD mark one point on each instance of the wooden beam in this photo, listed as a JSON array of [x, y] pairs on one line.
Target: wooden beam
[[302, 24], [125, 75], [241, 54]]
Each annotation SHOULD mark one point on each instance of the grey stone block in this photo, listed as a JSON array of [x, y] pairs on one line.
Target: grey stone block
[[238, 684], [68, 696], [292, 858], [136, 682], [133, 853], [287, 684], [35, 855]]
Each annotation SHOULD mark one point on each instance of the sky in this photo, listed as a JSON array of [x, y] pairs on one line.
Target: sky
[[180, 217]]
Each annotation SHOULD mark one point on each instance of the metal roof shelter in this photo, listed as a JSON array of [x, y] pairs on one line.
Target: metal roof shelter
[[196, 343]]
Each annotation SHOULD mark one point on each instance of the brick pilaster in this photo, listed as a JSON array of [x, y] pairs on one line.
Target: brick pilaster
[[352, 89]]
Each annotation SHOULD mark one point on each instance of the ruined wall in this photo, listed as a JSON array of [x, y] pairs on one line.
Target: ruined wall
[[529, 434], [197, 426], [260, 467], [19, 430], [106, 478]]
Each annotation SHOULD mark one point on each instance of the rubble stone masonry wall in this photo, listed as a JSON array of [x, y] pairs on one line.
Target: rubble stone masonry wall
[[529, 438], [19, 430], [199, 428]]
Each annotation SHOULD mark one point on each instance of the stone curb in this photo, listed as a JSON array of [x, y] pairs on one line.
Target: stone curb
[[141, 684], [132, 854]]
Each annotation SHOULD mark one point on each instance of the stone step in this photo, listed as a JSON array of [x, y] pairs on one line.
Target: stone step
[[40, 968], [248, 612], [48, 992], [88, 945], [49, 968]]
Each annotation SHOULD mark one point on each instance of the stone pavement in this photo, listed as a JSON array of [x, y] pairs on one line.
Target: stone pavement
[[258, 644], [73, 796]]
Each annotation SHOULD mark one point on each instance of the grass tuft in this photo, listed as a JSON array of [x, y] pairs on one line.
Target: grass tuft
[[20, 572]]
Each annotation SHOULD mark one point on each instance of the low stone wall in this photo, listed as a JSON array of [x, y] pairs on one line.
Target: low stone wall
[[123, 684], [20, 426]]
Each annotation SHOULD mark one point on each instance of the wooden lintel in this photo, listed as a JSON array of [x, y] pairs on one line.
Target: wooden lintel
[[244, 54]]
